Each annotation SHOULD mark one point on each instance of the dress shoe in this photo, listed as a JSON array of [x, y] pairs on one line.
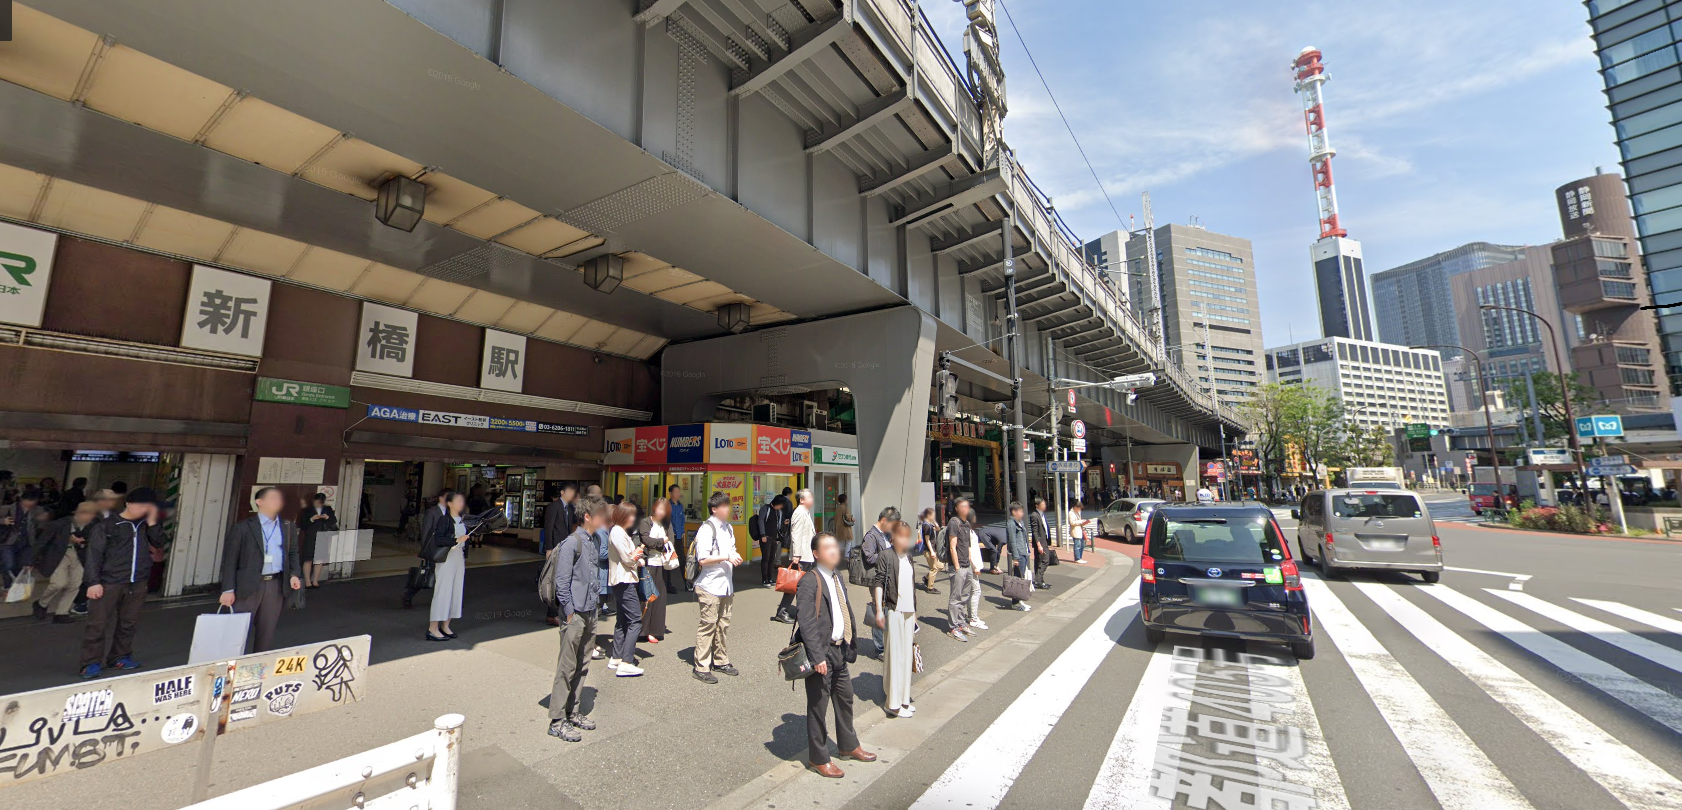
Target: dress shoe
[[552, 621], [829, 770], [858, 755]]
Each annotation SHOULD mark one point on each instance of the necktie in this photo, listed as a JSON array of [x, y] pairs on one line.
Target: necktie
[[846, 626]]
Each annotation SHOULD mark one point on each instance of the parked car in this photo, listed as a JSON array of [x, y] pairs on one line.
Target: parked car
[[1126, 518], [1387, 530], [1222, 571]]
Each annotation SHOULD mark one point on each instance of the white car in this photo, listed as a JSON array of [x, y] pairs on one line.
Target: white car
[[1126, 518]]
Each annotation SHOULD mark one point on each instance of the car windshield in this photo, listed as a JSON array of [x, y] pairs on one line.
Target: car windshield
[[1372, 505], [1236, 539], [1483, 489]]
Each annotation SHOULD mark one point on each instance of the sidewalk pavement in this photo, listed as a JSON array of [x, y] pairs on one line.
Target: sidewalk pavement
[[665, 739]]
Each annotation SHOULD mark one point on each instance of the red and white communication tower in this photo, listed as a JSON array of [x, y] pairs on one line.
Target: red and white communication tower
[[1311, 75]]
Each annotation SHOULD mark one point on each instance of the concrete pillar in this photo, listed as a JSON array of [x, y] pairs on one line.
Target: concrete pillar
[[886, 358]]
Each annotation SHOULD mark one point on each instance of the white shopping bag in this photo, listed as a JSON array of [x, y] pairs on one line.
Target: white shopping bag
[[219, 636], [22, 587]]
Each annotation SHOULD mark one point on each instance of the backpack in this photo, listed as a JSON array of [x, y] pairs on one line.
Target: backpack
[[756, 524], [858, 573], [546, 578], [943, 545]]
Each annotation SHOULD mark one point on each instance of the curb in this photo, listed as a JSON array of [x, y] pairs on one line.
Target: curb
[[757, 788]]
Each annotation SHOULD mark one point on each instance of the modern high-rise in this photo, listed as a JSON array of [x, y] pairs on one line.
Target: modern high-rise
[[1598, 269], [1637, 44], [1512, 345], [1208, 283], [1340, 285], [1411, 300], [1379, 385]]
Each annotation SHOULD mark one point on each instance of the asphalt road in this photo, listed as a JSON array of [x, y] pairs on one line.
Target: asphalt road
[[1547, 674]]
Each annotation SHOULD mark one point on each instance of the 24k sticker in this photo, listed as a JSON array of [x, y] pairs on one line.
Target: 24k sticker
[[293, 665]]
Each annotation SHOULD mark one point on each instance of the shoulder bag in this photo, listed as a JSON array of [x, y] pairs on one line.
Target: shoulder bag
[[1015, 587], [792, 659]]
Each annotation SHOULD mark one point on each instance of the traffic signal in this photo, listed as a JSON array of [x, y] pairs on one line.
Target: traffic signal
[[946, 394]]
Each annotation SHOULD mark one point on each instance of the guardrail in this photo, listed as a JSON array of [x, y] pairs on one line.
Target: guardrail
[[420, 771]]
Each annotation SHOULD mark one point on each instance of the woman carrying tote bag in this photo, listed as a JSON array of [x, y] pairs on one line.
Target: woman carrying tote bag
[[448, 533], [655, 533]]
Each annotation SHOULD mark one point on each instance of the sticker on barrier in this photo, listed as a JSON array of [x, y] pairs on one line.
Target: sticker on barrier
[[48, 732]]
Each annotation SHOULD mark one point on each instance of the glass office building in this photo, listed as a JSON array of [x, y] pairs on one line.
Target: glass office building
[[1639, 58]]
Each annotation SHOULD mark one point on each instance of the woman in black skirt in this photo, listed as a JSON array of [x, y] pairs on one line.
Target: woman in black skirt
[[316, 517], [655, 532]]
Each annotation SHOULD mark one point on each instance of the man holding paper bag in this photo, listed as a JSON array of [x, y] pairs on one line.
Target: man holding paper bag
[[260, 570]]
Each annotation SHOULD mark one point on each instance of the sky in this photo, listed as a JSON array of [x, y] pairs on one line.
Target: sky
[[1453, 121]]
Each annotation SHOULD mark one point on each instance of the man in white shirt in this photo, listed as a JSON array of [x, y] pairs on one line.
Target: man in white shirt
[[715, 561], [801, 532], [1205, 495]]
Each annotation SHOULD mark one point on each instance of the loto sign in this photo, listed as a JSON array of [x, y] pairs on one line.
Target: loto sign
[[49, 732]]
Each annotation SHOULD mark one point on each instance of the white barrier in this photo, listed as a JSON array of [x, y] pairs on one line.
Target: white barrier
[[418, 772]]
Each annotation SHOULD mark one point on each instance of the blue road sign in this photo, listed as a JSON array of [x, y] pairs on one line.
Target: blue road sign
[[1590, 427], [1062, 466]]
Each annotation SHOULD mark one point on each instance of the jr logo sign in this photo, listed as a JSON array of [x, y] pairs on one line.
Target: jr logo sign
[[26, 265], [18, 266]]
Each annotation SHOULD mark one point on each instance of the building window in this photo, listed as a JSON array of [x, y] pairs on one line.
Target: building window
[[1610, 249], [1618, 289], [1634, 356], [1636, 376], [1214, 254], [1227, 268], [1613, 269]]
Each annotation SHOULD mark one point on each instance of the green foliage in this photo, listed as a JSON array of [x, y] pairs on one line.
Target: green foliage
[[1566, 518], [1549, 403]]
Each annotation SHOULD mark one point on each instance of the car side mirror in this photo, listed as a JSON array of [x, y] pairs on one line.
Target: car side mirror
[[1296, 514]]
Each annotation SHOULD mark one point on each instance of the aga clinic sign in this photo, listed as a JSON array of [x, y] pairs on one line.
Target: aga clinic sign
[[26, 265]]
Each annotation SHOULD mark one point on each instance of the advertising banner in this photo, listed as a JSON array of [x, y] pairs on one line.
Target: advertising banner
[[686, 444], [26, 265], [650, 447], [727, 443], [771, 445]]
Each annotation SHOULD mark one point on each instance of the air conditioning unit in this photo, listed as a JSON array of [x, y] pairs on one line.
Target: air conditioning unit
[[765, 413], [813, 417]]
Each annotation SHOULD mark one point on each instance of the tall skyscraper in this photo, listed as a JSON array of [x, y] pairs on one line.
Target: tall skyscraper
[[1208, 283], [1637, 44], [1512, 345], [1410, 301], [1598, 270], [1339, 280]]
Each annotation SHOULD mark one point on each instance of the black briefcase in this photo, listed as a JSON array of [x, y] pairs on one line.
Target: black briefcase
[[421, 578]]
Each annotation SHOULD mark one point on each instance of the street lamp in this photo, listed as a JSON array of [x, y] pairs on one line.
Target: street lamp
[[1488, 424], [1564, 396]]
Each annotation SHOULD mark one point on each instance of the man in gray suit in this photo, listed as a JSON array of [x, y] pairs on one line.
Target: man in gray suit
[[578, 591], [260, 569]]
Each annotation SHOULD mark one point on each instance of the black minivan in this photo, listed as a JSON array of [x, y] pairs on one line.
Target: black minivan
[[1222, 571]]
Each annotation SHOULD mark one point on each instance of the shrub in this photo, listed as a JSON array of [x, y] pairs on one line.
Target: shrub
[[1555, 519]]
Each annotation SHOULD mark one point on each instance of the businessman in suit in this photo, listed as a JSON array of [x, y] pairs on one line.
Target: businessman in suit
[[260, 569], [826, 630]]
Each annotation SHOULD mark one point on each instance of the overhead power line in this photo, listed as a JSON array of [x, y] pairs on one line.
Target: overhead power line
[[1059, 108]]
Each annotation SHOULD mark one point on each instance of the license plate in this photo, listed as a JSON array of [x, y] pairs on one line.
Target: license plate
[[1218, 597]]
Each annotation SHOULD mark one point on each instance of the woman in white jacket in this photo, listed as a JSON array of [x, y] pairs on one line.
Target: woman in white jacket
[[624, 564]]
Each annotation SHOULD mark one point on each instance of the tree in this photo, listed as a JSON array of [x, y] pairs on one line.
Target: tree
[[1272, 413], [1319, 427], [1368, 447], [1549, 403]]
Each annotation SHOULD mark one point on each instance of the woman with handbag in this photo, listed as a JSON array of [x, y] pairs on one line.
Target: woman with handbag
[[317, 517], [894, 603], [447, 548], [1077, 530], [655, 533], [624, 572]]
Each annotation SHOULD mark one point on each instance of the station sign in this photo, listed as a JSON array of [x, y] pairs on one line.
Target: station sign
[[393, 413], [298, 392], [1062, 466], [1548, 455], [26, 265], [1592, 427]]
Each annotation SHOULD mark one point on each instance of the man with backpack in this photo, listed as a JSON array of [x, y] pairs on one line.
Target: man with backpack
[[766, 529], [960, 537], [877, 539], [715, 557], [570, 583]]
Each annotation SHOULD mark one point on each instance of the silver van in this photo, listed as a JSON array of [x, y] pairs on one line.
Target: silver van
[[1386, 529]]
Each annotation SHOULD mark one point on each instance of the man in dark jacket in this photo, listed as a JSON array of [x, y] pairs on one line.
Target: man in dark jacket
[[260, 567], [118, 566], [578, 592], [58, 563], [429, 519], [774, 525], [877, 539], [559, 519], [1016, 538], [826, 631], [1039, 531], [20, 522]]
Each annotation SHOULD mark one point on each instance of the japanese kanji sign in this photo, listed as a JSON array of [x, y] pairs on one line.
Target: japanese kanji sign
[[385, 344], [26, 263], [503, 366], [226, 312]]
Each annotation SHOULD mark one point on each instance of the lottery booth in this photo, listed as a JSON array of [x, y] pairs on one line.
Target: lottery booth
[[750, 463]]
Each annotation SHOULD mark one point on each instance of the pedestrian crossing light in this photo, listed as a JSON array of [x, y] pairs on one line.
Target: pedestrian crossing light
[[946, 394]]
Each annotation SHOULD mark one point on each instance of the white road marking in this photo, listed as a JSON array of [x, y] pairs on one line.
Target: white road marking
[[1616, 636], [1459, 774], [985, 771], [1322, 774], [1628, 776], [1632, 691], [1517, 583], [1635, 614], [1124, 781]]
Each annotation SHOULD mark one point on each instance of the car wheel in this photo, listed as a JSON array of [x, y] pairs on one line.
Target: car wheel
[[1303, 650], [1127, 534], [1155, 635], [1431, 576], [1326, 569], [1303, 553]]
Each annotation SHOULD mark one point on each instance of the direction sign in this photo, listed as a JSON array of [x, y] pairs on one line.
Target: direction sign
[[1589, 427], [1608, 461], [1062, 466], [1078, 428], [1615, 469]]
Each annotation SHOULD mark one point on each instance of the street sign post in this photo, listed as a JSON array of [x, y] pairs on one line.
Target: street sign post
[[1077, 445], [1062, 466], [1611, 469], [1078, 429]]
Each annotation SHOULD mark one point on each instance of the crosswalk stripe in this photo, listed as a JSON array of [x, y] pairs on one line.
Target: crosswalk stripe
[[1123, 782], [1322, 774], [985, 771], [1628, 776], [1635, 614], [1632, 691], [1616, 636], [1459, 774]]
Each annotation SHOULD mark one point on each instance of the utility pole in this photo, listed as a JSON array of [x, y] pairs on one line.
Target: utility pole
[[1154, 314], [1056, 438], [1013, 348]]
